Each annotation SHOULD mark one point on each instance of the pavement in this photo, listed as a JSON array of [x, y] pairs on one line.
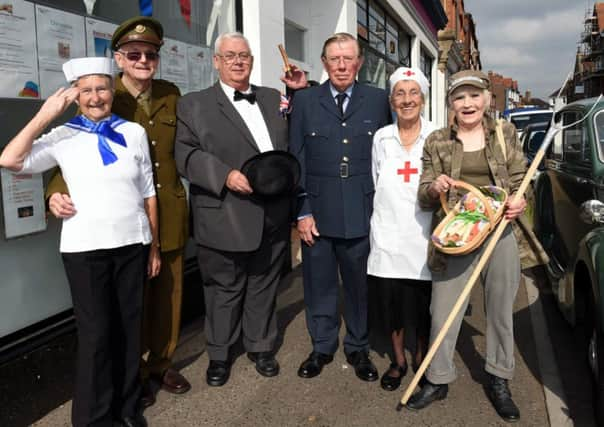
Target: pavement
[[336, 397]]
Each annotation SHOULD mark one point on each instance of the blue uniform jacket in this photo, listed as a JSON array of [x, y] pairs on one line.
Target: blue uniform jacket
[[335, 155]]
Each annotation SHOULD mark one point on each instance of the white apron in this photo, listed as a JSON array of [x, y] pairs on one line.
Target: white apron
[[400, 230]]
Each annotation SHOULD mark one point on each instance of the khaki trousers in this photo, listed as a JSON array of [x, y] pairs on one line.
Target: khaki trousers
[[500, 278], [161, 316]]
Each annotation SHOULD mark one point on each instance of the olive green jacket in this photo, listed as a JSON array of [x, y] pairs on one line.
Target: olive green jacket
[[443, 153], [160, 126]]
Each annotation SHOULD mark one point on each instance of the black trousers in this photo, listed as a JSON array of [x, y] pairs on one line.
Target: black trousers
[[107, 292], [240, 290]]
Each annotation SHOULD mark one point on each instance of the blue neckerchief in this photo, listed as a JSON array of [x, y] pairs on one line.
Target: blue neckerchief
[[103, 129]]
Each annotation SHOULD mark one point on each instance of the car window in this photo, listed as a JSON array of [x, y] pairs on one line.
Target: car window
[[574, 139], [522, 120], [599, 132]]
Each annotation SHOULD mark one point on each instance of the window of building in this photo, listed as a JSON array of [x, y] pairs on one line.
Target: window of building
[[295, 39], [425, 65], [386, 44]]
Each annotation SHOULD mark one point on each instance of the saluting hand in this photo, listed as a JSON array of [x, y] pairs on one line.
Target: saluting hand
[[58, 102], [237, 182]]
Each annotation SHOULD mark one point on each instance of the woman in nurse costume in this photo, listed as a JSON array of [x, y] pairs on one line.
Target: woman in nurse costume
[[400, 230]]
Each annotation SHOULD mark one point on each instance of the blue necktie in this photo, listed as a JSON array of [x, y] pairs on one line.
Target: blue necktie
[[104, 130]]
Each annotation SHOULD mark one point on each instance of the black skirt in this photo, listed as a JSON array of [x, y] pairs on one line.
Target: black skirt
[[396, 304]]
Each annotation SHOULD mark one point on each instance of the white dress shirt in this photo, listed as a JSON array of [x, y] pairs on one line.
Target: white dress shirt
[[400, 229], [252, 117], [109, 200]]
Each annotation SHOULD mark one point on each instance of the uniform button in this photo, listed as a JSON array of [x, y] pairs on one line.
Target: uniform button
[[369, 133], [153, 142], [158, 185], [313, 134], [344, 159], [151, 122], [156, 164], [344, 124], [344, 141]]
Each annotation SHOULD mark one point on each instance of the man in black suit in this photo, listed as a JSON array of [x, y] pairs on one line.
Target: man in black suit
[[241, 239], [331, 134]]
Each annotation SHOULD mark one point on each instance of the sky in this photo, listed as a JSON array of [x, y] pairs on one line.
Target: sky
[[531, 41]]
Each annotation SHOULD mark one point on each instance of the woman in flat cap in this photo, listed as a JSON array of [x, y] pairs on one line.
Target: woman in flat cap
[[107, 245], [400, 230], [470, 151]]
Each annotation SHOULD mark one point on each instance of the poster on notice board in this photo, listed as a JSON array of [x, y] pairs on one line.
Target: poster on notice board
[[60, 38], [23, 203], [18, 60], [98, 39]]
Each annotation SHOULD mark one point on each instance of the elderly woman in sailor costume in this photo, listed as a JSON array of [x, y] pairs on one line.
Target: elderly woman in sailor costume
[[400, 230], [108, 245]]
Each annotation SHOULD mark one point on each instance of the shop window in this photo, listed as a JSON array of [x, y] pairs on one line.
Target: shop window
[[404, 48], [362, 19], [373, 71], [386, 45], [294, 41], [426, 68]]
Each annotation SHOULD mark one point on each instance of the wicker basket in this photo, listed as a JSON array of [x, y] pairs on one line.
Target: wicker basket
[[468, 224]]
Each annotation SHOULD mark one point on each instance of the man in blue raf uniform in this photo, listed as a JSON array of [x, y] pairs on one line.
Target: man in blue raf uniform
[[331, 133]]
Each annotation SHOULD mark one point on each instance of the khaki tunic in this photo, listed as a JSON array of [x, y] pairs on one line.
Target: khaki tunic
[[443, 153]]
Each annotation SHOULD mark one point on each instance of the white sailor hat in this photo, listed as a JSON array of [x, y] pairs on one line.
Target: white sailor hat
[[404, 73], [78, 67]]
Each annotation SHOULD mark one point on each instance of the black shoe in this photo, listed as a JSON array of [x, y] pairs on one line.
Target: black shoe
[[390, 383], [313, 365], [136, 421], [428, 394], [266, 364], [147, 395], [501, 398], [363, 367], [218, 372]]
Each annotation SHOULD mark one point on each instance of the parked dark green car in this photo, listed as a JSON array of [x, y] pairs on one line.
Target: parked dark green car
[[569, 220]]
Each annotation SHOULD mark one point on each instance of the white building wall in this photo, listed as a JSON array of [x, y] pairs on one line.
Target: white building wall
[[263, 25]]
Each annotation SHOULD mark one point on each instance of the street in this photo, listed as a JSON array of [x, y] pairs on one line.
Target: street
[[35, 389]]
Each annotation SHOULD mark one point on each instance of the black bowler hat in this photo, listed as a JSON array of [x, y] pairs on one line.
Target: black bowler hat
[[272, 173]]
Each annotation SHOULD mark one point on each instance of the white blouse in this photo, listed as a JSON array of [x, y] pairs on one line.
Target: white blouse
[[400, 229], [109, 200]]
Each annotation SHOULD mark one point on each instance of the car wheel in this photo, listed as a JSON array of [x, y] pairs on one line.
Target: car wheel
[[596, 361]]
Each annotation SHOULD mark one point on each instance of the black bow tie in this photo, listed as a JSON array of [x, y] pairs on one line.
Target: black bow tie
[[249, 97]]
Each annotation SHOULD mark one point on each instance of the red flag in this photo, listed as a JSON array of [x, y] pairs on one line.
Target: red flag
[[185, 9]]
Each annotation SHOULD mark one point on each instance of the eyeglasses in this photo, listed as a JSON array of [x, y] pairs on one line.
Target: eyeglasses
[[335, 60], [136, 55], [230, 57]]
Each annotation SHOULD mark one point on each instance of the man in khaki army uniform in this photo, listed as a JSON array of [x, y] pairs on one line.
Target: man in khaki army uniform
[[152, 104]]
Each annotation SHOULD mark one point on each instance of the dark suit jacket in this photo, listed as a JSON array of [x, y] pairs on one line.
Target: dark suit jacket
[[212, 140], [328, 147]]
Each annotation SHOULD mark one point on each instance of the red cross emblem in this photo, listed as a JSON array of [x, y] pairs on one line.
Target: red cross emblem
[[407, 171], [409, 73]]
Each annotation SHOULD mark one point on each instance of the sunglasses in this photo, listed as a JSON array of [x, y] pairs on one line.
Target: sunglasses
[[136, 55]]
